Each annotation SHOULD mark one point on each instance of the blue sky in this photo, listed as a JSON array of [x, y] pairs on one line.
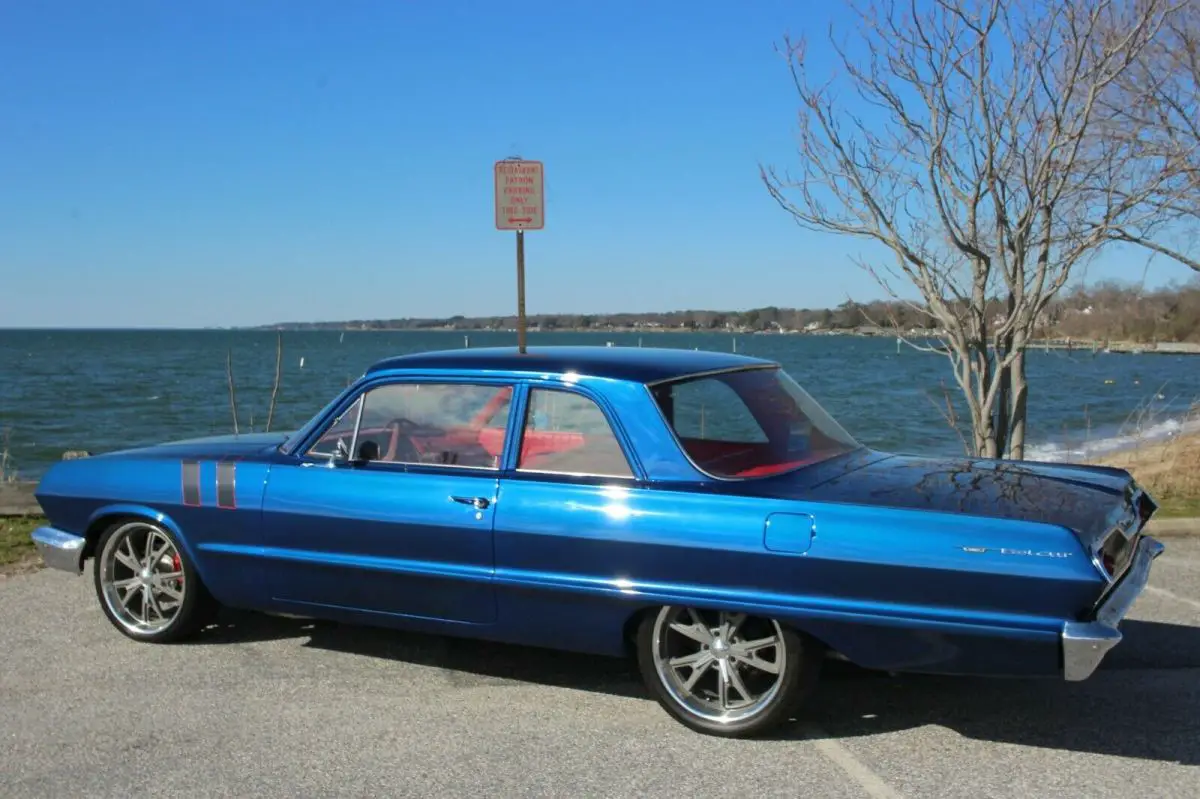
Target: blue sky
[[232, 163]]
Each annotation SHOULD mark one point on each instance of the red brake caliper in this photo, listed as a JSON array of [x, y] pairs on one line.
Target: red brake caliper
[[177, 566]]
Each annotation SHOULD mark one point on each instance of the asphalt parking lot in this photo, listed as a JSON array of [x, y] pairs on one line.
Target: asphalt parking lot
[[276, 707]]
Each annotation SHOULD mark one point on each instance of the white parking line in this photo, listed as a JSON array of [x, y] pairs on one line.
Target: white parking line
[[854, 768], [1170, 595]]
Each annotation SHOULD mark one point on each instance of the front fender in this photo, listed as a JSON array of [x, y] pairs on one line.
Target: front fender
[[97, 523]]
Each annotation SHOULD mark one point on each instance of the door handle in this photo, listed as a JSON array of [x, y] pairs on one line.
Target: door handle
[[478, 502]]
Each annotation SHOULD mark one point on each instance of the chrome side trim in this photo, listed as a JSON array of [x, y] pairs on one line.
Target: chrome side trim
[[59, 550], [1085, 643]]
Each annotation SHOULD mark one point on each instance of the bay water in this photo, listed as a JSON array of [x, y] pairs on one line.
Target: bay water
[[100, 390]]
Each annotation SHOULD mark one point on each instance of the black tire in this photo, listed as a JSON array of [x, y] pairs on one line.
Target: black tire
[[197, 608], [801, 661]]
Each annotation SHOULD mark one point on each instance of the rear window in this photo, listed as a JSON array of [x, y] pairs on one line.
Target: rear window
[[750, 423]]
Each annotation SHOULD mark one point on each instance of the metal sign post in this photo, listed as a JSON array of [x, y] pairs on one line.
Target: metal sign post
[[520, 190], [521, 291]]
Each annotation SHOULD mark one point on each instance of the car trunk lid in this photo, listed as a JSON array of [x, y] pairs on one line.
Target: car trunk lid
[[1096, 503]]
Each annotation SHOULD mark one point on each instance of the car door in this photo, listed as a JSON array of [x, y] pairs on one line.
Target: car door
[[405, 526], [570, 517]]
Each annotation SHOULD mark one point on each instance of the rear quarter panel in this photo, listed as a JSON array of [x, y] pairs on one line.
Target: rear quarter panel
[[886, 588]]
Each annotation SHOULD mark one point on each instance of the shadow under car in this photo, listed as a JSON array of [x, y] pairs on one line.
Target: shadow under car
[[1143, 702]]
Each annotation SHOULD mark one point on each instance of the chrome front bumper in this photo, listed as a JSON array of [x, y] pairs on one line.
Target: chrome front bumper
[[1085, 643], [59, 550]]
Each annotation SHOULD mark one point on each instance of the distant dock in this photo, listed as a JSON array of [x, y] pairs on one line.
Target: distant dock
[[1120, 347]]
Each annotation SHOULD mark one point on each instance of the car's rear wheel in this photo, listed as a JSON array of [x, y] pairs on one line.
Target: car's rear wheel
[[725, 673], [147, 587]]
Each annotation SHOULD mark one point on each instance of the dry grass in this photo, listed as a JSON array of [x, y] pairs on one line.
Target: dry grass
[[16, 548], [1169, 469]]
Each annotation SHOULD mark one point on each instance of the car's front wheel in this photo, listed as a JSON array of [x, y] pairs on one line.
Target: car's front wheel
[[725, 673], [147, 587]]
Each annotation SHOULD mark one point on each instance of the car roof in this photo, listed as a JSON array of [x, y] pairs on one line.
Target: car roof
[[637, 364]]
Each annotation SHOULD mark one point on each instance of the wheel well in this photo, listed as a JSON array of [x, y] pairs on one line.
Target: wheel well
[[96, 529], [629, 632], [630, 628]]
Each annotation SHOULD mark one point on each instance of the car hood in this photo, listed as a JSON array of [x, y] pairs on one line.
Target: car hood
[[1088, 500], [236, 445]]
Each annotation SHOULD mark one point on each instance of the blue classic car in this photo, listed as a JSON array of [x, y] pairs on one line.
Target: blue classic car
[[696, 510]]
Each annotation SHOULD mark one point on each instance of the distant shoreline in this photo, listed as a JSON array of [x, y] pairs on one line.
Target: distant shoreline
[[1123, 346], [1091, 345]]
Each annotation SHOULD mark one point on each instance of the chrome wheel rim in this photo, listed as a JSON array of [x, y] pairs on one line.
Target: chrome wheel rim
[[141, 578], [719, 666]]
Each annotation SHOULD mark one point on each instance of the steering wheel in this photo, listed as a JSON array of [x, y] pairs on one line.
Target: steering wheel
[[406, 450]]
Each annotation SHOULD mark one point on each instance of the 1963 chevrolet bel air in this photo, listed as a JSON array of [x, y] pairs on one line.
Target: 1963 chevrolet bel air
[[697, 510]]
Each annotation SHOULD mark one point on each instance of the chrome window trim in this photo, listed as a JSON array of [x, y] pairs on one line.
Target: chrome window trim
[[710, 372], [585, 475], [362, 406], [406, 466]]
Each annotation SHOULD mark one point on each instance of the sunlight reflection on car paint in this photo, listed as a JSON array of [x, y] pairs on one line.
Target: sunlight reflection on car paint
[[624, 585], [618, 508], [618, 512]]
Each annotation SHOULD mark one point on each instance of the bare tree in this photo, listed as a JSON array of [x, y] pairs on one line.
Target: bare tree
[[1157, 103], [963, 139]]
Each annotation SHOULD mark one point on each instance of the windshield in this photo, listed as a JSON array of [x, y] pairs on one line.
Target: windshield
[[749, 423]]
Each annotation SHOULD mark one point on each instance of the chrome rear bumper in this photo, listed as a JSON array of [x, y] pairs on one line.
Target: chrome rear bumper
[[59, 550], [1085, 643]]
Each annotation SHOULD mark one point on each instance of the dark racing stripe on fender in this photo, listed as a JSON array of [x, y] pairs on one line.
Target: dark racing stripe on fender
[[190, 482], [227, 485]]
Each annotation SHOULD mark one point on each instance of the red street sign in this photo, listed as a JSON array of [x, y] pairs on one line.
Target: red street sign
[[519, 195]]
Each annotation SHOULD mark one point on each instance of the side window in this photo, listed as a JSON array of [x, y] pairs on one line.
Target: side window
[[430, 423], [567, 433], [711, 410]]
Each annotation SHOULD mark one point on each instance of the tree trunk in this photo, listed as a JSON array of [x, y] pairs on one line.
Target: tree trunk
[[983, 419], [1016, 417], [1004, 394], [1001, 413], [985, 440]]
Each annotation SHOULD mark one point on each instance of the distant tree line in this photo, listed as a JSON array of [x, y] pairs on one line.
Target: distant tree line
[[1117, 312], [1109, 311], [847, 316]]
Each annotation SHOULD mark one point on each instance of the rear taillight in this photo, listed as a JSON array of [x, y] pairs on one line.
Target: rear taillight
[[1116, 554]]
